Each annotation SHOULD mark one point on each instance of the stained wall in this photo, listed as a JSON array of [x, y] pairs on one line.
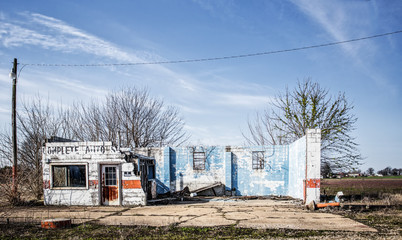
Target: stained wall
[[284, 171]]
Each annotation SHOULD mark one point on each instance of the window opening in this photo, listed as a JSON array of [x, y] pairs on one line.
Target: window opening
[[258, 160], [199, 160], [69, 176], [110, 176]]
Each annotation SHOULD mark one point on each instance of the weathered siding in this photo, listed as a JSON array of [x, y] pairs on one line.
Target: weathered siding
[[184, 173], [313, 163], [297, 167], [131, 191], [292, 170], [284, 171], [272, 179], [92, 155]]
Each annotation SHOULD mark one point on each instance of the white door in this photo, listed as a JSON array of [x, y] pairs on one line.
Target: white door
[[110, 185]]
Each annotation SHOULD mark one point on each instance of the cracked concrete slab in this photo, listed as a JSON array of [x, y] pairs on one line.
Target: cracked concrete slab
[[155, 221], [208, 220], [218, 212]]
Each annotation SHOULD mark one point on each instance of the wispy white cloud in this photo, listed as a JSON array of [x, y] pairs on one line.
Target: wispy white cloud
[[77, 86], [332, 18], [183, 89], [340, 20], [57, 35], [190, 109], [12, 35], [220, 8], [4, 78], [54, 34], [243, 100], [4, 110]]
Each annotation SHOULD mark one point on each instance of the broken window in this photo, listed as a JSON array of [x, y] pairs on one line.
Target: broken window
[[258, 160], [69, 176], [199, 160], [110, 176]]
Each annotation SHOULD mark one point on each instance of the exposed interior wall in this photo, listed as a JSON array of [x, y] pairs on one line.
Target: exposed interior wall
[[272, 179], [162, 166], [183, 174], [231, 166], [297, 168], [284, 171]]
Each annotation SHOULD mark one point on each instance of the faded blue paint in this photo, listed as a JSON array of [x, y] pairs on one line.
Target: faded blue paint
[[235, 182], [228, 171], [184, 175], [282, 173], [172, 167], [271, 180], [297, 167], [162, 169]]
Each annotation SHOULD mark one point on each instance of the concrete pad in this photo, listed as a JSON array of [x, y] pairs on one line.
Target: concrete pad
[[210, 220], [340, 224], [247, 214], [147, 211], [155, 221], [239, 216]]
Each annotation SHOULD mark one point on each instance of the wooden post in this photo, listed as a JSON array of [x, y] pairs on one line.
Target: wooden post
[[14, 128]]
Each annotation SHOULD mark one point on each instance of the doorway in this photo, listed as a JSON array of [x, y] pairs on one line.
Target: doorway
[[110, 185]]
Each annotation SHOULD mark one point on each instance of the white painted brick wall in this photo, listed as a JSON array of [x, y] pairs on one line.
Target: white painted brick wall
[[313, 159], [93, 158]]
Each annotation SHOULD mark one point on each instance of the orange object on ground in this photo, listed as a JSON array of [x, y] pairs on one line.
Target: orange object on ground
[[56, 223], [322, 205]]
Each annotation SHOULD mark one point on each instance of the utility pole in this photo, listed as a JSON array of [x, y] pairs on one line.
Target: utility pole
[[13, 75]]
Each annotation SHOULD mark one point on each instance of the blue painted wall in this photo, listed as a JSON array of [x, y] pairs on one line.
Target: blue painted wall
[[297, 167], [273, 179], [233, 167]]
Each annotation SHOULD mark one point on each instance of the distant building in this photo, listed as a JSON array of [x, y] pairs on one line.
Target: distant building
[[354, 174]]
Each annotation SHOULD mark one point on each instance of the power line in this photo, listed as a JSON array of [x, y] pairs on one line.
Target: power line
[[213, 58]]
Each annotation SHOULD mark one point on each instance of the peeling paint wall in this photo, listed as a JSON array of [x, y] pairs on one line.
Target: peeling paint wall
[[132, 193], [162, 166], [297, 168], [284, 171], [292, 170], [92, 155], [313, 165], [184, 173], [270, 180]]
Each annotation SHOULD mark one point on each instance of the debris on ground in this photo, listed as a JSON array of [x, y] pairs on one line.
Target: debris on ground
[[209, 187]]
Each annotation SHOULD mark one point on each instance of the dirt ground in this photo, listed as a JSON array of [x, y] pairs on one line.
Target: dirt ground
[[362, 187], [217, 218]]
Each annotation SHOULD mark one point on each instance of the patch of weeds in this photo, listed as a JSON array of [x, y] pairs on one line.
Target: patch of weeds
[[92, 231], [387, 221]]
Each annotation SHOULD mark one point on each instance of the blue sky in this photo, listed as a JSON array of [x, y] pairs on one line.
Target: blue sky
[[216, 98]]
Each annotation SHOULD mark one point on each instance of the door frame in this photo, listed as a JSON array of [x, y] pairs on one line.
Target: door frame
[[101, 184]]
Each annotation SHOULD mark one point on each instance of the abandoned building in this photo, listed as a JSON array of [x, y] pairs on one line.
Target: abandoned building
[[97, 173]]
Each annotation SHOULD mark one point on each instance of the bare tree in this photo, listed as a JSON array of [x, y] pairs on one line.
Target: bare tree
[[131, 118], [386, 171], [309, 106], [6, 169], [36, 122], [370, 171]]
